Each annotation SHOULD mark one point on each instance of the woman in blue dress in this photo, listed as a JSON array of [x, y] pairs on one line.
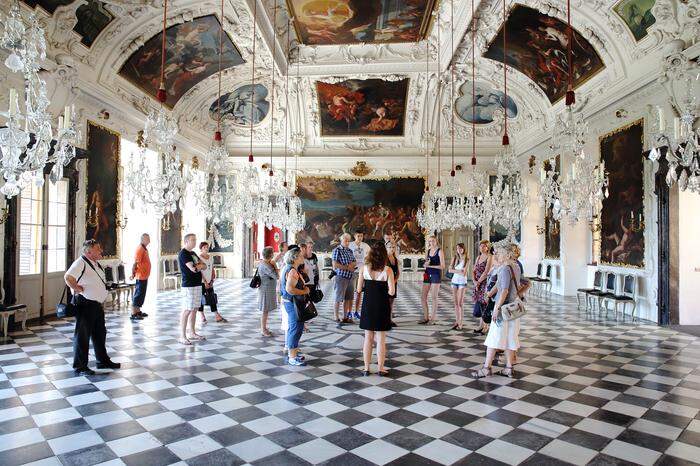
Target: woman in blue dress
[[434, 263]]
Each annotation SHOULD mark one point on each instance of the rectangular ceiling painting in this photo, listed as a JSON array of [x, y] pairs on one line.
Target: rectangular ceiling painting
[[192, 55], [537, 47], [362, 107], [333, 22]]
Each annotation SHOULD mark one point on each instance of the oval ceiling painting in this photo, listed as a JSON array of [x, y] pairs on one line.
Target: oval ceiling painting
[[242, 105], [487, 101]]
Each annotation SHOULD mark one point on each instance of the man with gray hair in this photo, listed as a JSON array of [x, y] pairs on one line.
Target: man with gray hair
[[85, 277], [344, 267], [140, 271]]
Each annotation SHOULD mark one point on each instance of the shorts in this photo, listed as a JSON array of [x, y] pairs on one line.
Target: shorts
[[458, 285], [191, 297], [432, 277], [139, 293], [344, 289]]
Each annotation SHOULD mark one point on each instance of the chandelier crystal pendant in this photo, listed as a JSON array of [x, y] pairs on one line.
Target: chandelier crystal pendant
[[160, 127], [577, 194], [25, 140], [680, 77]]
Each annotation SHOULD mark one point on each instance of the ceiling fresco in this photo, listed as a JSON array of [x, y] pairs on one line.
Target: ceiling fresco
[[481, 109], [362, 107], [537, 47], [637, 16], [192, 55], [333, 22], [242, 105]]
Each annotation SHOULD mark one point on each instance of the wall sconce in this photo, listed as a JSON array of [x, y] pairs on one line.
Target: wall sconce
[[165, 223], [4, 214], [540, 230]]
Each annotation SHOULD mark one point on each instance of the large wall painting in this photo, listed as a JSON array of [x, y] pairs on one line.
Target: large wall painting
[[637, 16], [171, 233], [552, 227], [481, 109], [377, 207], [537, 47], [103, 149], [192, 55], [498, 232], [333, 22], [362, 107], [622, 217], [241, 106]]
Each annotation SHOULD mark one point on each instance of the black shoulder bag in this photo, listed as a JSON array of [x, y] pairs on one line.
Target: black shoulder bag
[[256, 281], [306, 310], [67, 309]]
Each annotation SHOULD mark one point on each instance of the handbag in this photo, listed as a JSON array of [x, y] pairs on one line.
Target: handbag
[[516, 309], [306, 310], [256, 281], [316, 295], [209, 298], [487, 311], [66, 309], [426, 277]]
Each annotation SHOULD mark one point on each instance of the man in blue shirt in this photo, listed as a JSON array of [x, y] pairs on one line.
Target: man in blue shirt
[[344, 267]]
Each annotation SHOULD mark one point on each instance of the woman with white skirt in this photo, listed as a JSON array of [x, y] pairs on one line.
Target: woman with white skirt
[[503, 335]]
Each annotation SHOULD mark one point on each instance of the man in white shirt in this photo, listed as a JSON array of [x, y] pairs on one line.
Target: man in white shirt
[[360, 249], [85, 277]]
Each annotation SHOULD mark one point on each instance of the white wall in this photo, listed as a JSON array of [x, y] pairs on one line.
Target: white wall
[[689, 258]]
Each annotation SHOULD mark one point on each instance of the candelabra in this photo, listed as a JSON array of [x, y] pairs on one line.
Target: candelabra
[[679, 78], [509, 197], [4, 214], [121, 223], [636, 224], [165, 222]]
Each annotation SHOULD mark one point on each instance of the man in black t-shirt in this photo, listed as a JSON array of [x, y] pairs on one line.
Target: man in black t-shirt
[[191, 268]]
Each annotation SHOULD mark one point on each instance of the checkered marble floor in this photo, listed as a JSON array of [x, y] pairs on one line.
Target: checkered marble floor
[[588, 390]]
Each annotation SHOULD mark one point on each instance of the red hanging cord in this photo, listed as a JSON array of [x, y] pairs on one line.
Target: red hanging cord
[[272, 91], [439, 100], [161, 95], [217, 134], [506, 140], [452, 81], [427, 132], [570, 95], [286, 98], [252, 94], [473, 87]]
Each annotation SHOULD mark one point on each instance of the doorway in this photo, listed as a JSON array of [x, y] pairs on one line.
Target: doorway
[[42, 245]]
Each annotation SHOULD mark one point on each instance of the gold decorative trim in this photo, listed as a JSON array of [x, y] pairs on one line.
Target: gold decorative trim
[[118, 135]]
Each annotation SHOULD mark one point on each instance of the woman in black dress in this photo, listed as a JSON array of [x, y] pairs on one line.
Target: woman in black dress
[[377, 282], [393, 263]]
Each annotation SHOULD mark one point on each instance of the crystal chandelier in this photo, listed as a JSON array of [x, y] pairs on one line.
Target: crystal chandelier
[[25, 141], [577, 194], [160, 128], [508, 197], [213, 190], [162, 188], [248, 199], [679, 78]]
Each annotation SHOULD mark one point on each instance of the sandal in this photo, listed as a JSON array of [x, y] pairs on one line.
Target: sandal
[[508, 372], [365, 373], [267, 333], [221, 320], [197, 337], [185, 342], [424, 322], [483, 372], [383, 373], [454, 327]]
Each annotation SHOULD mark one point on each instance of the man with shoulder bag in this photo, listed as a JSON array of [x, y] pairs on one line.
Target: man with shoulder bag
[[85, 277]]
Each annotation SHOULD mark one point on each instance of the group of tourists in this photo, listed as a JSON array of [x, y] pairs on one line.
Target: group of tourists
[[365, 283]]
